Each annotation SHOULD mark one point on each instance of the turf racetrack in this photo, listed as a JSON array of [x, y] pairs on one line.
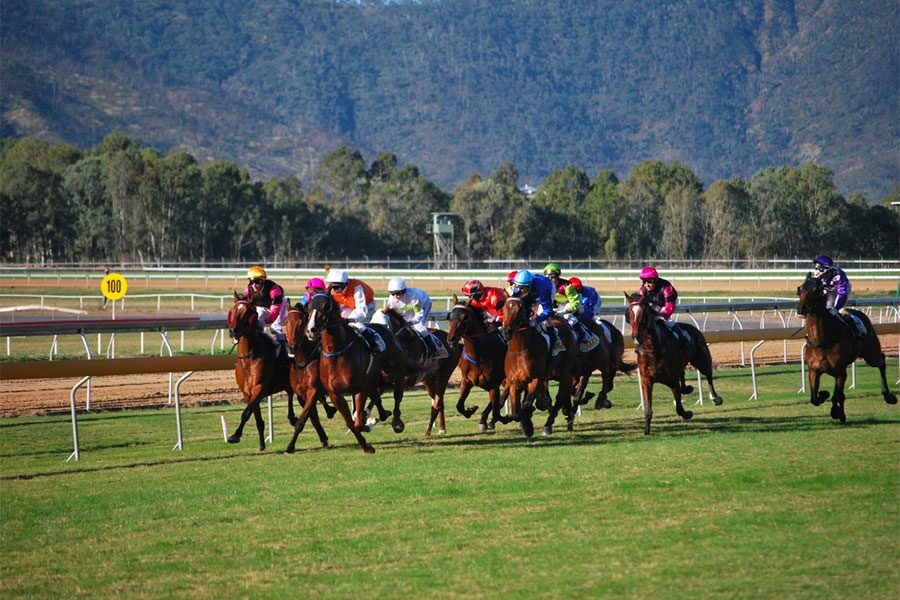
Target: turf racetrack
[[766, 498]]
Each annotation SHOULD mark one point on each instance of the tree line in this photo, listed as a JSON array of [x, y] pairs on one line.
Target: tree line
[[121, 200]]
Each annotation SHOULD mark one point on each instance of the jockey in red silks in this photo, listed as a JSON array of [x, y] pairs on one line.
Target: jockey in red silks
[[270, 302], [489, 299], [661, 295]]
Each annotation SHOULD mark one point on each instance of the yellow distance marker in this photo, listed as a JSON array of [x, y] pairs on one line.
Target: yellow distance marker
[[113, 286]]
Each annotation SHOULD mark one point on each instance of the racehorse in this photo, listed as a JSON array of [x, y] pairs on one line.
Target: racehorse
[[304, 374], [349, 366], [662, 359], [831, 345], [481, 361], [433, 373], [529, 366], [258, 372]]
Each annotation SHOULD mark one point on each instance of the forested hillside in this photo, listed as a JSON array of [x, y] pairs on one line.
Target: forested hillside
[[457, 87]]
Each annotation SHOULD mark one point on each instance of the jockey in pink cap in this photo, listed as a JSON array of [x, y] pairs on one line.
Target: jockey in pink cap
[[314, 286], [661, 295]]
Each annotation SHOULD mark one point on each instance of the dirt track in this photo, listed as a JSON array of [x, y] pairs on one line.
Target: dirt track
[[49, 396]]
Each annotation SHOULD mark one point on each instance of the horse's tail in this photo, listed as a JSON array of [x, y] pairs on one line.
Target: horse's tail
[[627, 368]]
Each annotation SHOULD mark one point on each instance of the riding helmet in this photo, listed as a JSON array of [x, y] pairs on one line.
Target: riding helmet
[[315, 283], [256, 272], [648, 272], [396, 284], [511, 277], [524, 278], [575, 282], [552, 269], [337, 276], [473, 288], [825, 261]]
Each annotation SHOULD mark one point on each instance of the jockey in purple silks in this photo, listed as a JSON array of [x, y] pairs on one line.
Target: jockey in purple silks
[[835, 284]]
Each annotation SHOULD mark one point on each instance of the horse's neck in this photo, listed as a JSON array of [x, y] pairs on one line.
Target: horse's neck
[[817, 328], [252, 346]]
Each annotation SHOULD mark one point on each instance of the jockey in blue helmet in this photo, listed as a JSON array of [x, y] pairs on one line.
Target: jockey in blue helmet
[[537, 289], [835, 284]]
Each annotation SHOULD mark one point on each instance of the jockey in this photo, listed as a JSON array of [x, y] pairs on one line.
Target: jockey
[[270, 302], [415, 306], [661, 295], [537, 289], [834, 283], [489, 299], [356, 299], [313, 286], [589, 299], [510, 282], [565, 293]]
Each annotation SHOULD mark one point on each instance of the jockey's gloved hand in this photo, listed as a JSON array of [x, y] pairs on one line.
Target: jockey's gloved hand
[[833, 311], [532, 322]]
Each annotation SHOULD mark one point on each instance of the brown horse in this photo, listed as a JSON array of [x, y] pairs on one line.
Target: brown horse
[[481, 361], [349, 366], [258, 372], [661, 358], [433, 373], [304, 374], [529, 366], [831, 345]]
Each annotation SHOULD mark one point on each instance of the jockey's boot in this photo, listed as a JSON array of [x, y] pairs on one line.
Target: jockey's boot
[[281, 352], [556, 345], [430, 347]]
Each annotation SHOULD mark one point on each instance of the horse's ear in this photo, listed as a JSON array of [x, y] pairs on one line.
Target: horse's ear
[[236, 295], [455, 300], [627, 297]]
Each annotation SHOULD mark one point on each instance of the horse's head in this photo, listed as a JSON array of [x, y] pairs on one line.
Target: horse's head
[[462, 320], [638, 315], [242, 318], [811, 299], [323, 313], [515, 315], [295, 327]]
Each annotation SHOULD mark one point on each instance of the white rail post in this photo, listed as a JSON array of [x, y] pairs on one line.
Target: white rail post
[[87, 350], [76, 454], [165, 339], [802, 369], [180, 443], [271, 424], [755, 395]]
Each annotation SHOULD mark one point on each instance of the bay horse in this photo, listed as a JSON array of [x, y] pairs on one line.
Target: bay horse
[[662, 359], [832, 345], [258, 372], [349, 366], [529, 367], [481, 362], [605, 357], [304, 375], [433, 373]]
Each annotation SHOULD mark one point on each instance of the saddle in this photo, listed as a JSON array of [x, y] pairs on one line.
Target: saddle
[[372, 339], [435, 350], [855, 324], [679, 335], [587, 339]]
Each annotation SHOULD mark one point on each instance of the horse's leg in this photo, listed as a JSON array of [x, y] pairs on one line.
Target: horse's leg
[[397, 423], [292, 418], [877, 359], [679, 407], [465, 386], [552, 411], [309, 411], [341, 405], [260, 426], [648, 403], [816, 397], [704, 365], [608, 375], [837, 400], [317, 425], [235, 437], [329, 409], [532, 391], [435, 408]]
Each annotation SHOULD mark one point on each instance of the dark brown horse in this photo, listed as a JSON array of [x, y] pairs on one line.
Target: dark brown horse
[[481, 361], [832, 345], [529, 367], [258, 372], [349, 366], [433, 373], [662, 358], [304, 374]]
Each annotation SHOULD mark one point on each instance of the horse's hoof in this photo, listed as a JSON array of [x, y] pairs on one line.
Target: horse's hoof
[[492, 426], [890, 398], [688, 389], [528, 428], [587, 397], [262, 447], [442, 431], [482, 427], [330, 412], [289, 450], [325, 444], [428, 433], [607, 403], [717, 400], [836, 412], [398, 426], [292, 420], [688, 415], [233, 439], [367, 449], [383, 416], [543, 402], [570, 425], [470, 411], [547, 430]]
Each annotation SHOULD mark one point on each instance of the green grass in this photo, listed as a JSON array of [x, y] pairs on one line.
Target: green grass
[[766, 498]]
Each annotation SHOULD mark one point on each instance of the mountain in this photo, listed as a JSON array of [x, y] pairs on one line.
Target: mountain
[[458, 86]]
